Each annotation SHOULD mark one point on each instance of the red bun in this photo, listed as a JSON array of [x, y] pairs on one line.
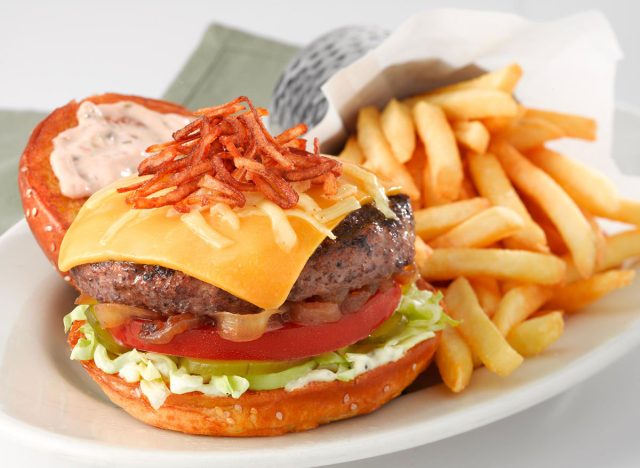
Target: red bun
[[270, 412], [48, 212]]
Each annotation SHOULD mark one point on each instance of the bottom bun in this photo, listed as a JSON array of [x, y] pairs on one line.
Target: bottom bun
[[269, 412]]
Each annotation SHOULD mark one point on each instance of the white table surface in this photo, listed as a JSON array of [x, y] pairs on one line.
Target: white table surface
[[51, 52]]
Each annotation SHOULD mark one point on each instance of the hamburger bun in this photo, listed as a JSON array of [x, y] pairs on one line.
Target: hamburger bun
[[269, 412], [48, 212]]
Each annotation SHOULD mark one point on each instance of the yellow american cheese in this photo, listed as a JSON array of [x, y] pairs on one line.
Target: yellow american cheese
[[252, 267]]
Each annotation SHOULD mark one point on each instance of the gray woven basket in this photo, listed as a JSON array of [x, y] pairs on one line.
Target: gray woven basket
[[297, 96]]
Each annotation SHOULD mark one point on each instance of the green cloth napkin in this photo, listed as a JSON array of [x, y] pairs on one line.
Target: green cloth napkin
[[227, 63], [16, 127]]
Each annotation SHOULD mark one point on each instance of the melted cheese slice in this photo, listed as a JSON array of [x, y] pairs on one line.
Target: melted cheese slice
[[252, 266]]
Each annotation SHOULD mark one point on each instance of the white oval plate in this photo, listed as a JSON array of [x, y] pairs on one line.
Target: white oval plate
[[46, 401]]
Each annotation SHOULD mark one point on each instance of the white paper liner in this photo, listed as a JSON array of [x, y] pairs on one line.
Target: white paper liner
[[569, 66]]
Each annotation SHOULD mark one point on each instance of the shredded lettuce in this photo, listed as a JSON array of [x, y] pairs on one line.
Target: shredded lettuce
[[417, 318], [156, 392], [78, 313], [424, 306], [85, 347]]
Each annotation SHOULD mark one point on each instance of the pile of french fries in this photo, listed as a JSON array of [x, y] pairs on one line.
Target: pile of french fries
[[506, 227]]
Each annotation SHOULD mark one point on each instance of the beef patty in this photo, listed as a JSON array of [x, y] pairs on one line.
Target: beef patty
[[368, 248]]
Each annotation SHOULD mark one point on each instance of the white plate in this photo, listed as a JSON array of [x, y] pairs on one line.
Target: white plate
[[47, 402]]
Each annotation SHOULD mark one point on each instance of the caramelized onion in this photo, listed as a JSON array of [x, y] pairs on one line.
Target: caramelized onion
[[85, 299], [112, 315], [408, 275], [386, 285], [158, 332], [355, 300], [315, 313], [235, 327], [245, 327]]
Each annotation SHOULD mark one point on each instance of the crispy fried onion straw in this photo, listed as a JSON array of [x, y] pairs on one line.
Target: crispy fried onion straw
[[224, 152]]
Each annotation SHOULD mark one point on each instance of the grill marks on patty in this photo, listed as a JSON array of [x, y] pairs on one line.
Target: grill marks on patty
[[369, 248]]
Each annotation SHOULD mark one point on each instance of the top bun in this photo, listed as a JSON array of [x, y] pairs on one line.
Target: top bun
[[48, 212]]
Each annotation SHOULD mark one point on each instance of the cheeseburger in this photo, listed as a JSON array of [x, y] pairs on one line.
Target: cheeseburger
[[236, 284]]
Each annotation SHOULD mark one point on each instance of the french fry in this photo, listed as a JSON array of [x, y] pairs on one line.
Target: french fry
[[588, 188], [476, 361], [478, 331], [423, 251], [554, 239], [443, 158], [352, 152], [508, 285], [467, 190], [555, 202], [378, 154], [493, 184], [583, 292], [620, 247], [416, 166], [537, 334], [628, 211], [504, 79], [571, 274], [482, 229], [488, 293], [530, 132], [573, 126], [472, 104], [430, 197], [600, 237], [454, 360], [397, 125], [518, 265], [518, 304], [495, 125], [472, 134], [431, 222], [498, 124]]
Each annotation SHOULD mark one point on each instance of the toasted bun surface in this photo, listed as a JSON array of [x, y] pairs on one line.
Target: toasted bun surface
[[48, 212], [270, 412]]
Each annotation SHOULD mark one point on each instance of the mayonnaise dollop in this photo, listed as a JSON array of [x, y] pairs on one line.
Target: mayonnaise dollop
[[108, 143]]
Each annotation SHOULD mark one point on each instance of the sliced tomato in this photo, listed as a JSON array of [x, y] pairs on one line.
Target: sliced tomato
[[287, 343]]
